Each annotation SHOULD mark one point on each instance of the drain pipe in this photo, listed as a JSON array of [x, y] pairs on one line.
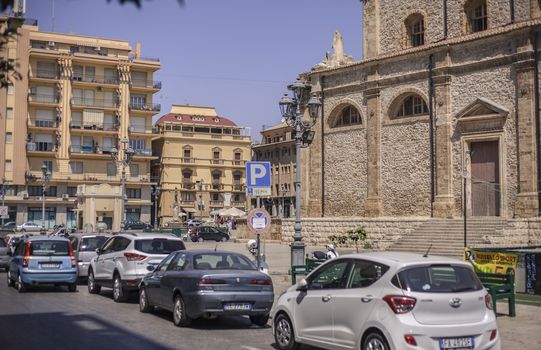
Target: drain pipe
[[537, 123], [512, 10], [445, 19], [431, 127], [322, 146]]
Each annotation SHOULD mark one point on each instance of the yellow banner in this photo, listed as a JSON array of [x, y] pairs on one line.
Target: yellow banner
[[491, 262]]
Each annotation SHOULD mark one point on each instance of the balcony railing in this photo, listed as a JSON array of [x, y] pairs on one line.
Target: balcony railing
[[143, 152], [216, 186], [152, 107], [40, 146], [140, 129], [152, 84], [187, 185], [98, 79], [89, 149], [188, 160], [40, 123], [93, 126], [218, 203], [238, 187], [154, 59], [237, 204], [45, 74], [40, 98], [94, 102], [216, 161]]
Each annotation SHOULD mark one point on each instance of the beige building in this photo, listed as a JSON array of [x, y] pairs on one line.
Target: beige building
[[79, 97], [202, 162], [277, 146]]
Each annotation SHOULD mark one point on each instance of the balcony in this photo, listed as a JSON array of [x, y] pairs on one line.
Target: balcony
[[97, 79], [40, 123], [45, 74], [140, 129], [83, 149], [216, 161], [238, 204], [39, 98], [238, 187], [187, 160], [185, 185], [40, 147], [94, 102], [146, 107], [143, 152], [218, 203], [146, 84], [94, 126], [216, 186]]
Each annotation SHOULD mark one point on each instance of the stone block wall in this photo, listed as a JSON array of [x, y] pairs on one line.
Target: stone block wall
[[518, 233]]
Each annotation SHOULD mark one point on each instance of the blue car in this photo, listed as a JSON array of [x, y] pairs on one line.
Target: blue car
[[42, 260]]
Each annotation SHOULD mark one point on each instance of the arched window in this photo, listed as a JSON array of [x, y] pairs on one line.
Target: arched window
[[217, 180], [415, 29], [412, 105], [349, 115], [476, 15]]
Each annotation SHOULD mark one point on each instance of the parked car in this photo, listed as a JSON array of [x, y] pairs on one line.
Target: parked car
[[194, 223], [10, 225], [5, 253], [29, 227], [122, 261], [43, 260], [84, 248], [208, 233], [199, 283], [387, 300], [136, 225]]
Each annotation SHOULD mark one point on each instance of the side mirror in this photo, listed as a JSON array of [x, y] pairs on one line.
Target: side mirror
[[302, 286], [98, 251], [150, 268]]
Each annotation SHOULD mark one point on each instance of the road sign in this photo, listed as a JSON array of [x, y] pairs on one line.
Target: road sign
[[4, 212], [258, 179], [258, 220]]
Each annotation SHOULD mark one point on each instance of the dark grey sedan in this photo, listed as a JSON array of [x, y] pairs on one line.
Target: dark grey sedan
[[207, 283]]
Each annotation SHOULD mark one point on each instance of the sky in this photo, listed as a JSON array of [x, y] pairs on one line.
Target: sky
[[236, 55]]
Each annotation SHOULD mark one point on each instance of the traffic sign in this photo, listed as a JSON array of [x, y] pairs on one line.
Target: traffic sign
[[258, 220], [258, 179]]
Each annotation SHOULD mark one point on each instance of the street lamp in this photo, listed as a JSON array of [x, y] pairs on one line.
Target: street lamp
[[4, 185], [45, 177], [126, 155], [199, 185], [291, 110], [156, 193], [283, 191]]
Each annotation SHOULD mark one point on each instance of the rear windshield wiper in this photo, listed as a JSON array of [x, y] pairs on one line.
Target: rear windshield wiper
[[462, 289]]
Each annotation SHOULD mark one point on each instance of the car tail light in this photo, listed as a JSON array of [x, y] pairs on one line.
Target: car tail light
[[134, 256], [72, 256], [488, 301], [493, 334], [410, 340], [400, 304], [262, 282], [210, 282], [26, 257]]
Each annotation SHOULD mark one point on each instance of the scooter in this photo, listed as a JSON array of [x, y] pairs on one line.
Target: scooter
[[251, 245], [323, 256]]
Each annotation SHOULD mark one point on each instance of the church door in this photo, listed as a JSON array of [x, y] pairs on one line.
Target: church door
[[485, 179]]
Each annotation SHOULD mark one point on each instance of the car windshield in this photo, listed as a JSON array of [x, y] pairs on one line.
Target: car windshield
[[49, 248], [437, 279], [159, 245], [222, 261], [90, 244]]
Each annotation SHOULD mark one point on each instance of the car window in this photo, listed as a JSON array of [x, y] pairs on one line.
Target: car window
[[121, 244], [89, 244], [179, 263], [165, 263], [108, 246], [74, 241], [365, 273], [332, 276], [437, 279], [49, 248], [159, 245], [20, 248], [221, 261]]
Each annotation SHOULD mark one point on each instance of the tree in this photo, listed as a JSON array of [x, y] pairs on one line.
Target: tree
[[356, 236]]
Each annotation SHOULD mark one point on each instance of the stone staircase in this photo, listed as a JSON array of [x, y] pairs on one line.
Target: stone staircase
[[447, 236]]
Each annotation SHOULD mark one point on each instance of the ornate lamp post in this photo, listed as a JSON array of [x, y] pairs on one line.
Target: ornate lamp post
[[45, 177], [156, 193], [127, 156], [199, 185], [292, 113], [4, 185]]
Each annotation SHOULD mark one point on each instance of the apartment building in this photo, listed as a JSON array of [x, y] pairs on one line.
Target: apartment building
[[277, 146], [202, 162], [79, 99]]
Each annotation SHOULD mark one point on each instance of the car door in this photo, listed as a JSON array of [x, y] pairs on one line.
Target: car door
[[313, 309], [104, 259], [353, 305], [16, 259], [152, 282], [172, 278]]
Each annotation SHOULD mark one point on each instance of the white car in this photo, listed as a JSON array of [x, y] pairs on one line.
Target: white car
[[123, 261], [29, 227], [387, 300]]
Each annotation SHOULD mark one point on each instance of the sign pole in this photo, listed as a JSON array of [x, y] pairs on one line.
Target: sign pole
[[258, 238]]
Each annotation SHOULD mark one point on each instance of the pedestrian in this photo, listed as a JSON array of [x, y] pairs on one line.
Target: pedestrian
[[229, 226]]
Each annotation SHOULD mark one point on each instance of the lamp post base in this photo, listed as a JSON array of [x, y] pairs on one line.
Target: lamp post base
[[297, 253]]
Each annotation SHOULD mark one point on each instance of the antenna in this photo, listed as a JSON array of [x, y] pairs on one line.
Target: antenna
[[216, 247], [427, 251]]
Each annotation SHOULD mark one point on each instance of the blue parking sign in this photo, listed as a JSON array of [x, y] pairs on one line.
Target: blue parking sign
[[258, 174]]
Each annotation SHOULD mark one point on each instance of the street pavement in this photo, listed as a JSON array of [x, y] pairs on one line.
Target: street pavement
[[52, 318]]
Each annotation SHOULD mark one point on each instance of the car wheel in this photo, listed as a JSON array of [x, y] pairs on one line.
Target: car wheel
[[144, 305], [375, 341], [118, 292], [180, 318], [283, 333], [72, 287], [224, 239], [200, 239], [93, 288], [21, 287], [11, 282], [260, 320]]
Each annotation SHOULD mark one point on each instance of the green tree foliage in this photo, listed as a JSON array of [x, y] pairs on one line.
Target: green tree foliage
[[355, 236]]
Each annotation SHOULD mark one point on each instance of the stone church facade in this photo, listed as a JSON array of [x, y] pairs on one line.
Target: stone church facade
[[441, 115]]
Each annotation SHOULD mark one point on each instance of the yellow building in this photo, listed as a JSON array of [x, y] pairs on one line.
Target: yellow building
[[202, 162], [78, 98]]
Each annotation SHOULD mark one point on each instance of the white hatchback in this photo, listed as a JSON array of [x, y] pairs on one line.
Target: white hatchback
[[387, 300]]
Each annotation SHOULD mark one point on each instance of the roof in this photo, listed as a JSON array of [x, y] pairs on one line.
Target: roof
[[212, 251], [282, 125], [404, 258], [46, 238], [192, 119], [148, 235]]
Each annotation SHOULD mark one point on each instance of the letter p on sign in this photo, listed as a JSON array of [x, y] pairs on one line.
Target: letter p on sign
[[258, 174]]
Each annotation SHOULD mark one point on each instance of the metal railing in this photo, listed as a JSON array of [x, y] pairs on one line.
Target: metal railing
[[40, 146], [143, 152], [218, 203], [94, 102], [140, 129], [88, 126], [40, 123], [216, 161], [98, 79], [89, 149], [40, 98], [238, 187], [45, 74], [152, 107], [153, 84]]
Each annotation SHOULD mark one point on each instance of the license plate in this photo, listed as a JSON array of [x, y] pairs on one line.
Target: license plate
[[50, 266], [456, 343], [237, 307]]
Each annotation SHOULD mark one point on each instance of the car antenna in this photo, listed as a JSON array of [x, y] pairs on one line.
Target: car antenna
[[216, 247], [427, 251]]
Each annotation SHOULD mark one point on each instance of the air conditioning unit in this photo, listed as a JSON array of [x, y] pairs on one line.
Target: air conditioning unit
[[50, 44], [65, 196], [25, 195]]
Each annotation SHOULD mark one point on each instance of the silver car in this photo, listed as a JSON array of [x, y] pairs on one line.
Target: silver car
[[29, 227], [84, 247]]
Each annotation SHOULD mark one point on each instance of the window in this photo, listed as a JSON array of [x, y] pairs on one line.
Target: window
[[137, 144], [365, 273], [34, 191], [348, 116], [133, 192], [165, 263], [9, 137], [437, 279], [111, 169], [46, 70], [139, 78], [411, 106], [50, 191], [49, 165], [74, 49], [332, 276], [187, 153], [415, 27], [477, 15], [72, 191], [9, 113], [8, 166], [76, 167], [186, 176], [138, 101], [238, 158], [134, 170], [10, 88]]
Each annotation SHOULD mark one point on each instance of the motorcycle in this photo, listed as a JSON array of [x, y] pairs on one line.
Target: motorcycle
[[251, 245], [320, 256]]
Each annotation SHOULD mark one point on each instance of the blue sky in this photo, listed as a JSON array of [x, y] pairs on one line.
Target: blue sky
[[236, 55]]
